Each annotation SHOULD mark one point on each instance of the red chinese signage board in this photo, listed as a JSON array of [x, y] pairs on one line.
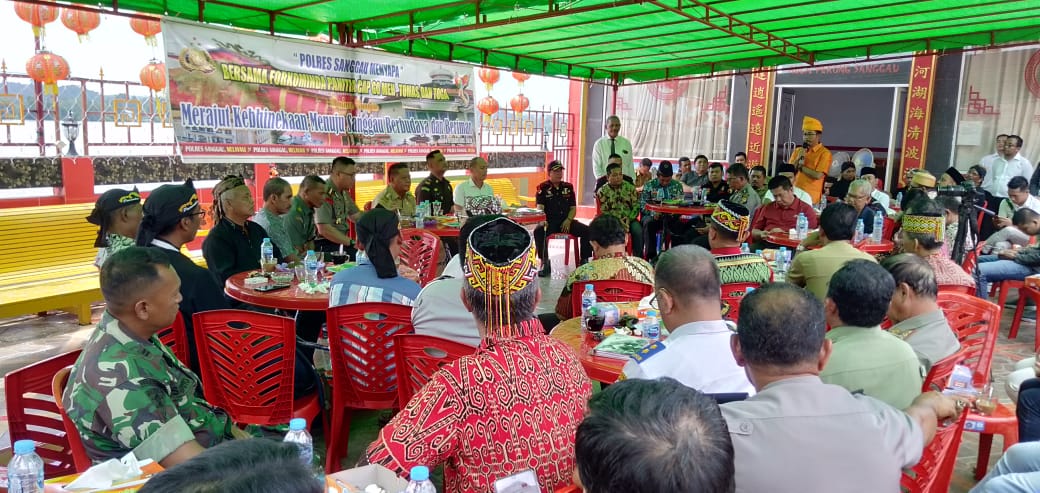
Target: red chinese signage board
[[760, 106], [918, 111]]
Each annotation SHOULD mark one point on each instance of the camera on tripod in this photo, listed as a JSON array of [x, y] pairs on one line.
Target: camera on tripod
[[965, 190]]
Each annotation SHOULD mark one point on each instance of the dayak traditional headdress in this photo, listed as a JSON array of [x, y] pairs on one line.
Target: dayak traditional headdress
[[929, 225], [500, 261], [732, 217]]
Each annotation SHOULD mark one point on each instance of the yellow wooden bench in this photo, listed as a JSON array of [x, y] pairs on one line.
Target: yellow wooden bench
[[47, 261]]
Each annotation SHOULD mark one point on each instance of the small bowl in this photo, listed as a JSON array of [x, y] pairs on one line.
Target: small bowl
[[282, 278], [339, 258]]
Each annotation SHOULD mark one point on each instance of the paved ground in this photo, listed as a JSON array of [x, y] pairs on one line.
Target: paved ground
[[27, 339]]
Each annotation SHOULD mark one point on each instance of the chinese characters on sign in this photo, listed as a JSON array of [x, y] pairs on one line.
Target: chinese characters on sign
[[759, 108], [918, 112]]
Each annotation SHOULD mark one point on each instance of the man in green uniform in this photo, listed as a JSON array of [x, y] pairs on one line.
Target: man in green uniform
[[127, 391], [299, 221], [339, 209]]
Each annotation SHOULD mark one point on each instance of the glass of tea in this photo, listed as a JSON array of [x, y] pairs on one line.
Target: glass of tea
[[986, 403]]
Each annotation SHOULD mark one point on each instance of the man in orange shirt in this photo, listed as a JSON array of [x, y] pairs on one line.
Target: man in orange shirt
[[813, 160]]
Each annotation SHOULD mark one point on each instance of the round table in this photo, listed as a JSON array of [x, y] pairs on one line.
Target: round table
[[682, 210], [783, 239], [867, 246], [290, 299], [598, 368], [445, 231]]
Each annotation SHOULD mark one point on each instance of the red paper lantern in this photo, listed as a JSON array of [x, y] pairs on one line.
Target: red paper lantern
[[519, 103], [153, 76], [488, 106], [48, 68], [146, 27], [521, 77], [80, 22], [37, 15], [489, 76]]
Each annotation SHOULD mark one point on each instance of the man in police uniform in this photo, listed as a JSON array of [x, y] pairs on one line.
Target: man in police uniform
[[688, 289], [299, 221], [127, 391], [436, 188], [556, 197], [780, 343], [339, 209]]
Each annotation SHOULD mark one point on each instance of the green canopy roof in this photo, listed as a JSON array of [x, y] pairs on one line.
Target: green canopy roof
[[628, 40]]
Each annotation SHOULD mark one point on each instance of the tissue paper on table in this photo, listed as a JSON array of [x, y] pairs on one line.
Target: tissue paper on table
[[110, 472], [322, 287]]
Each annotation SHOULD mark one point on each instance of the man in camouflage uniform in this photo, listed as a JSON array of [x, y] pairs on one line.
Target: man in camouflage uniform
[[127, 391]]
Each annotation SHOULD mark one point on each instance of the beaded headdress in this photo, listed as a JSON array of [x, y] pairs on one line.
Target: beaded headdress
[[930, 225], [500, 261], [732, 217]]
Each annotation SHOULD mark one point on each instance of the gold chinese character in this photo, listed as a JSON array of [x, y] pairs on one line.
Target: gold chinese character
[[755, 129], [913, 132], [919, 92], [760, 76], [758, 93], [916, 113], [912, 152], [758, 111], [922, 72], [755, 147]]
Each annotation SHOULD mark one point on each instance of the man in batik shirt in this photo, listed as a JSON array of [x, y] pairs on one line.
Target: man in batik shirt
[[512, 406], [127, 391], [619, 199], [662, 188]]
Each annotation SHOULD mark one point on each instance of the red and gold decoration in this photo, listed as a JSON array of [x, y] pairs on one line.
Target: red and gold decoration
[[732, 217], [47, 68], [489, 76], [37, 15], [521, 78], [147, 27], [80, 22], [488, 106], [918, 111], [519, 103], [153, 76], [500, 261], [934, 226], [760, 106]]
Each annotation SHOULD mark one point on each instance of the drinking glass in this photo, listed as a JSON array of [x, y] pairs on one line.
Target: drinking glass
[[986, 403]]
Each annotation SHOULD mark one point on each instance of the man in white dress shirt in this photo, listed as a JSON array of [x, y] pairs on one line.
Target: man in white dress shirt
[[612, 143], [688, 288], [987, 160], [1009, 165]]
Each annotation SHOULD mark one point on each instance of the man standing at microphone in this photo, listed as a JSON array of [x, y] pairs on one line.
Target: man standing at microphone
[[813, 160]]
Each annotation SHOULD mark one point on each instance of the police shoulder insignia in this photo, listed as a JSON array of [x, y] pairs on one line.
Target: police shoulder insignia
[[648, 351]]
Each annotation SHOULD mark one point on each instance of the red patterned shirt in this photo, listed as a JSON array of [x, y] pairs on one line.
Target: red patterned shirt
[[947, 272], [513, 405]]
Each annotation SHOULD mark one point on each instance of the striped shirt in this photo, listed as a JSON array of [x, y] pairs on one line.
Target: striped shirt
[[361, 284]]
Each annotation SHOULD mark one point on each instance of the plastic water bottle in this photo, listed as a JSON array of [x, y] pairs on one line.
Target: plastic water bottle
[[879, 227], [823, 203], [267, 252], [744, 248], [758, 252], [25, 471], [310, 263], [588, 298], [322, 362], [781, 259], [859, 231], [298, 435], [420, 482], [899, 199], [651, 327], [802, 226]]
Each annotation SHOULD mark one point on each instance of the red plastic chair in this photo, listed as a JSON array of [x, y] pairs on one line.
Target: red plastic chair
[[977, 323], [419, 357], [420, 250], [971, 259], [733, 294], [935, 469], [957, 288], [33, 414], [362, 349], [79, 452], [247, 363], [939, 374], [175, 337], [570, 244], [610, 291], [889, 230]]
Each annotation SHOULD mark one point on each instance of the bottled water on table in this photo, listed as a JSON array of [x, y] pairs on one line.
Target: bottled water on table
[[744, 248], [310, 264], [859, 231], [802, 226], [25, 471], [879, 227], [267, 252], [782, 259], [299, 436], [420, 482], [588, 298], [651, 326]]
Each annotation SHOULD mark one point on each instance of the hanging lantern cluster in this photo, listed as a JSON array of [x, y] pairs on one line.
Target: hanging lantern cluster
[[147, 27], [489, 76], [488, 106], [36, 15], [80, 22], [47, 68], [153, 76], [520, 103]]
